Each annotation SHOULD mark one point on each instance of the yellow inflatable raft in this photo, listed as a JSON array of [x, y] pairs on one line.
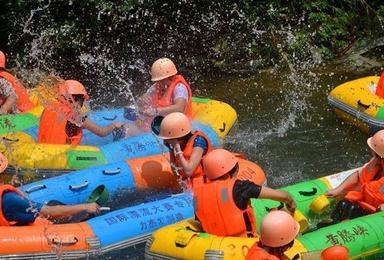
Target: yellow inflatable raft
[[363, 236], [355, 102], [213, 117]]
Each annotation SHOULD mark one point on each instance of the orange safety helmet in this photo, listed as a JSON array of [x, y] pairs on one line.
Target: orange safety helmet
[[175, 125], [2, 59], [73, 87], [278, 228], [376, 143], [162, 68], [337, 252], [3, 162], [218, 163]]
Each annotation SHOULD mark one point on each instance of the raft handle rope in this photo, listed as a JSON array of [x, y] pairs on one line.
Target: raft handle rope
[[308, 193], [10, 140], [111, 172], [189, 228], [371, 121], [78, 187], [223, 128], [362, 104], [110, 118], [36, 188], [281, 205], [58, 241]]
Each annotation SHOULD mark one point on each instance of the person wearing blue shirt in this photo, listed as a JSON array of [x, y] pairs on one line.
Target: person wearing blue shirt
[[16, 209], [187, 147]]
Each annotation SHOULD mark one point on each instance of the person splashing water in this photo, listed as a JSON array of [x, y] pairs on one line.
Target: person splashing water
[[169, 93]]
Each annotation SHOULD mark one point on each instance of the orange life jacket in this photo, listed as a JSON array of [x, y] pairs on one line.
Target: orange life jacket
[[4, 188], [371, 193], [52, 126], [216, 210], [166, 99], [257, 253], [380, 86], [370, 171], [197, 177], [23, 102], [250, 171]]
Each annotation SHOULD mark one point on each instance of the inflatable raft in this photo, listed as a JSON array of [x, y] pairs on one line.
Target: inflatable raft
[[363, 236], [126, 178], [25, 155], [116, 230], [355, 102]]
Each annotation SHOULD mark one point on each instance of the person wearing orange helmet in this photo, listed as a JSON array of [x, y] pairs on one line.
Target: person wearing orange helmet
[[169, 93], [187, 147], [62, 122], [16, 209], [13, 95], [278, 231], [362, 191], [222, 205]]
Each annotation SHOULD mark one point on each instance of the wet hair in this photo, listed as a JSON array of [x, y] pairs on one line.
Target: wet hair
[[78, 98], [231, 173], [186, 137], [234, 170]]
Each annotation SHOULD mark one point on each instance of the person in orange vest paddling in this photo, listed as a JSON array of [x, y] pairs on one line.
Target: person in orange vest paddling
[[16, 209], [222, 205], [62, 121], [169, 93], [13, 95], [187, 147], [363, 191]]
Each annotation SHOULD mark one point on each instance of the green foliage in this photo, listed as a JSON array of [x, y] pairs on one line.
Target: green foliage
[[211, 34]]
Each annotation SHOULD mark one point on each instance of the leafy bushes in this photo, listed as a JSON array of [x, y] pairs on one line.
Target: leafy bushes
[[229, 36]]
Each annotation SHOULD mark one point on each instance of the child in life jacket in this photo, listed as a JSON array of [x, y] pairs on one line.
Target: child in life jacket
[[278, 231], [16, 209], [222, 205], [363, 191], [62, 122], [187, 147], [169, 93], [13, 96]]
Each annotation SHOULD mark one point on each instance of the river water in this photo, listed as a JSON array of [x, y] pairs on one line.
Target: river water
[[287, 126]]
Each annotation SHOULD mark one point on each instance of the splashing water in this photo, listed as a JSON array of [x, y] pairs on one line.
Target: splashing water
[[284, 123]]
